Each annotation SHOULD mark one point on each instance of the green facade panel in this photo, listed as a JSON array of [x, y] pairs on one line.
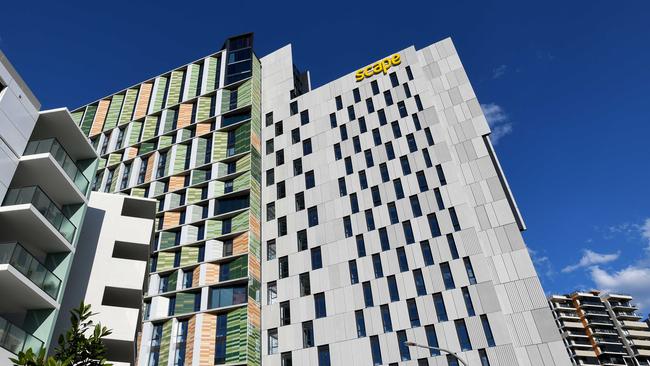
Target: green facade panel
[[89, 116], [236, 344], [113, 112], [129, 106], [193, 87], [175, 85], [160, 93]]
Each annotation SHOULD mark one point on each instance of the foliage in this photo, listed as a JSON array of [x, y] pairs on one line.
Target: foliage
[[81, 345]]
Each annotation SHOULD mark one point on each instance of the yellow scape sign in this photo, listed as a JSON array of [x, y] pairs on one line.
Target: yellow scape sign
[[377, 67]]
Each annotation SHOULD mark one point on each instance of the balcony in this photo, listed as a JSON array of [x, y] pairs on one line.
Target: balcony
[[623, 305], [627, 315], [19, 258], [634, 325], [639, 343], [14, 339], [30, 207]]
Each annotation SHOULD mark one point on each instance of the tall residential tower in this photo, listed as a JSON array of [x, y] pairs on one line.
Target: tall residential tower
[[326, 226]]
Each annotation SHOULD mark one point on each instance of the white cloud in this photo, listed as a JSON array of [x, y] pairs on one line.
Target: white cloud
[[499, 71], [632, 280], [645, 231], [498, 120], [542, 263], [591, 258]]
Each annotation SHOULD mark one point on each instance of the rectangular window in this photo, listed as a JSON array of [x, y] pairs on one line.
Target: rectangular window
[[375, 351], [375, 87], [441, 175], [297, 167], [367, 294], [470, 271], [339, 103], [269, 118], [310, 180], [362, 125], [220, 340], [376, 136], [383, 171], [283, 267], [452, 361], [392, 213], [295, 135], [301, 237], [312, 216], [271, 293], [324, 355], [333, 120], [337, 151], [125, 176], [454, 219], [300, 201], [407, 90], [388, 98], [369, 161], [304, 117], [393, 291], [427, 158], [305, 284], [376, 196], [279, 157], [426, 253], [452, 246], [485, 361], [342, 187], [282, 226], [307, 334], [410, 139], [401, 258], [356, 142], [432, 340], [409, 73], [408, 232], [370, 220], [433, 225], [439, 304], [370, 106], [414, 317], [363, 182], [293, 108], [356, 94], [347, 226], [383, 239], [269, 146], [422, 181], [399, 191], [279, 128], [439, 201], [420, 286], [447, 276], [361, 246], [390, 153], [306, 147], [316, 258], [415, 206], [468, 302], [349, 169], [351, 115], [320, 310], [381, 114], [285, 313], [397, 132], [285, 359], [463, 335], [344, 132], [385, 319], [401, 107], [270, 177], [270, 250], [427, 133], [406, 167], [393, 79], [270, 211], [404, 352], [376, 265], [280, 190], [354, 274], [354, 203], [361, 323], [418, 103]]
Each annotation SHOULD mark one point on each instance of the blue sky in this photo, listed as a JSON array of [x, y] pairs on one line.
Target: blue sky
[[565, 84]]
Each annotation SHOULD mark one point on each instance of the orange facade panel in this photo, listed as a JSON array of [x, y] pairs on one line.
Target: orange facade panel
[[131, 152], [149, 172], [202, 128], [196, 276], [254, 267], [143, 100], [176, 183], [184, 115], [211, 273], [171, 219], [254, 313], [208, 331], [100, 117], [240, 244], [189, 341]]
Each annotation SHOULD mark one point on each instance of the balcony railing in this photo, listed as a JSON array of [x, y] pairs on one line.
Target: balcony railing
[[19, 258], [44, 205], [14, 339], [53, 147]]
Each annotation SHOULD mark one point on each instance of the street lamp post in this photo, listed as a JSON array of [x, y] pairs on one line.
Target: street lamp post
[[413, 344]]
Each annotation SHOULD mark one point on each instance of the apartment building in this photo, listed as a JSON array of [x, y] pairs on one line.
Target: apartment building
[[601, 329], [109, 268], [325, 226]]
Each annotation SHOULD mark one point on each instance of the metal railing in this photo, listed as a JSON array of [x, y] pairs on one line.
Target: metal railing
[[19, 258], [14, 339], [70, 167], [35, 196]]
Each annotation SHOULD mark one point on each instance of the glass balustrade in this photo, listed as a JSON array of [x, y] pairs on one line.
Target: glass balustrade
[[44, 205], [53, 147], [14, 339], [19, 258]]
